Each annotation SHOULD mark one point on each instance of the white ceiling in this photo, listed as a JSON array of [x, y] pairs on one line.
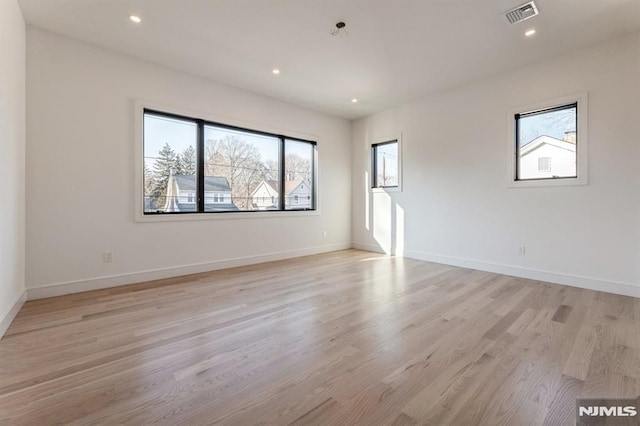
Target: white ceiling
[[395, 50]]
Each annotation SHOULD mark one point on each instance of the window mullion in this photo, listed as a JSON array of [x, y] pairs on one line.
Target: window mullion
[[517, 150], [313, 178], [200, 167], [374, 166], [281, 171]]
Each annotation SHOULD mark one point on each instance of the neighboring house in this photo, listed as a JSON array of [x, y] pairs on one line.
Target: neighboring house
[[548, 157], [182, 195], [265, 196], [297, 195]]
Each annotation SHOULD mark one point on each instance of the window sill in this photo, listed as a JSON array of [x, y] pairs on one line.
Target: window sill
[[389, 189], [537, 183], [189, 217]]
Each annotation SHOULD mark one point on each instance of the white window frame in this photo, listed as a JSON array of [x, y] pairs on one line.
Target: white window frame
[[582, 147], [139, 107], [377, 141]]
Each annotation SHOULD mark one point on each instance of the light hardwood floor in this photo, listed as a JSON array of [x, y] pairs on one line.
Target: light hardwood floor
[[348, 337]]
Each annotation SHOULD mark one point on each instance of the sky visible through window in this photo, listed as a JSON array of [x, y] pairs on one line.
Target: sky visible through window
[[266, 145], [180, 134], [160, 130], [553, 124]]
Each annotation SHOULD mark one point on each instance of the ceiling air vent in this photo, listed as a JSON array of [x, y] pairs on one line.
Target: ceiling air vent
[[520, 13]]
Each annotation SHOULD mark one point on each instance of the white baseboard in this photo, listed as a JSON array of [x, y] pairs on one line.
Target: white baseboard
[[589, 283], [625, 289], [10, 316], [99, 283]]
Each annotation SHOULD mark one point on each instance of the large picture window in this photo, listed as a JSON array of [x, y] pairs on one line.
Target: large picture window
[[195, 166]]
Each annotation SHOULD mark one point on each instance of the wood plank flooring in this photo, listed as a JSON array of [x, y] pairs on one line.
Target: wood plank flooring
[[343, 338]]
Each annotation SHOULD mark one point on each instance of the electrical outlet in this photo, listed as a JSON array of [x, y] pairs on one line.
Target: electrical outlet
[[107, 256], [521, 250], [324, 234]]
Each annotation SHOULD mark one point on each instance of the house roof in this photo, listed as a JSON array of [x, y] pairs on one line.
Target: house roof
[[548, 140], [211, 183], [188, 183], [289, 186], [271, 186]]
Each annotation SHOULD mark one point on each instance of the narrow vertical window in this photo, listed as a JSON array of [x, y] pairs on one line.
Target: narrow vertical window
[[385, 164], [299, 158]]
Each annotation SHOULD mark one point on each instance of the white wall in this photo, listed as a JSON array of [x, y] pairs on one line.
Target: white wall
[[80, 183], [12, 159], [456, 207]]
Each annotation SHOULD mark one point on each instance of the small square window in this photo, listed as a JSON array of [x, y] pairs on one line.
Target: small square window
[[547, 143], [385, 164]]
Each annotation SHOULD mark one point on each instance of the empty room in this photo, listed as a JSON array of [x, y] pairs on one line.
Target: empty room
[[336, 212]]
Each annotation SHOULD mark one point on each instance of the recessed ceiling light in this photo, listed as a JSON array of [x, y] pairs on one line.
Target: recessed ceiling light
[[530, 32], [276, 71], [354, 100], [135, 19]]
